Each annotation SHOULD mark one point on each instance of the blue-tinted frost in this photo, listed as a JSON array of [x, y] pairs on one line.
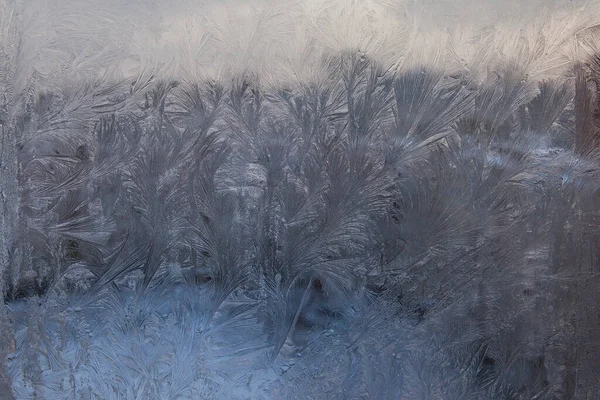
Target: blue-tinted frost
[[289, 201]]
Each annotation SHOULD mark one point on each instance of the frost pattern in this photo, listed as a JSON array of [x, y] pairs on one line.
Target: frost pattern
[[368, 210]]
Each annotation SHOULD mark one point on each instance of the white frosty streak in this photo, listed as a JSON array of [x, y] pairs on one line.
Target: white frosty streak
[[282, 40]]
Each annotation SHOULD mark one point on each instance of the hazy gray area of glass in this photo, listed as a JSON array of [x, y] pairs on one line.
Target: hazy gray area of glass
[[342, 199]]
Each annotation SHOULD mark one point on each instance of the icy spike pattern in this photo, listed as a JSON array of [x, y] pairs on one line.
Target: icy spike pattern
[[299, 199]]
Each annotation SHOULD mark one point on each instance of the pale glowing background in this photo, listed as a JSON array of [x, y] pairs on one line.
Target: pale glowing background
[[281, 40]]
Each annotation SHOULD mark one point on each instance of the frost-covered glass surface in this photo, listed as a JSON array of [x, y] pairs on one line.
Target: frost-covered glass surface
[[299, 199]]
